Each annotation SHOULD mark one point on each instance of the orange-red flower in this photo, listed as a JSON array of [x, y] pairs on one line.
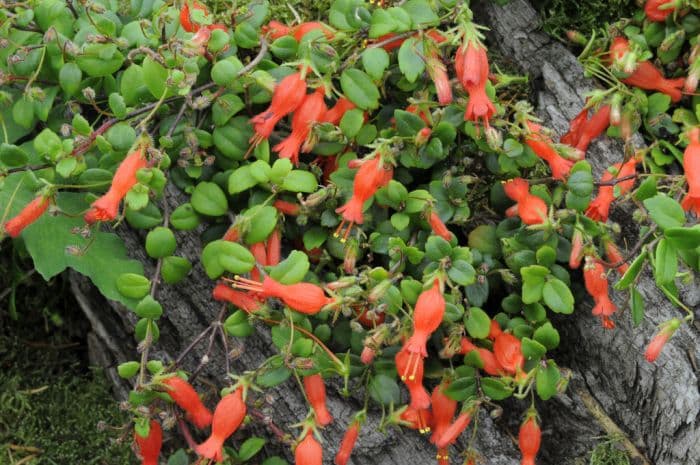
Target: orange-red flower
[[544, 148], [438, 73], [287, 208], [348, 443], [529, 440], [259, 252], [106, 207], [472, 68], [184, 395], [186, 19], [228, 416], [274, 248], [438, 227], [494, 330], [305, 298], [242, 300], [576, 249], [275, 29], [287, 96], [149, 447], [304, 28], [599, 208], [658, 10], [614, 256], [418, 419], [508, 352], [444, 409], [597, 286], [530, 208], [311, 111], [450, 435], [367, 355], [410, 368], [316, 394], [646, 76], [29, 214], [583, 130], [660, 339], [308, 451], [489, 362], [336, 112], [427, 317], [691, 166], [372, 175]]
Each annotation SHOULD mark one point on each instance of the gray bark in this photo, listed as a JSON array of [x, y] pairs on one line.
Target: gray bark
[[656, 405]]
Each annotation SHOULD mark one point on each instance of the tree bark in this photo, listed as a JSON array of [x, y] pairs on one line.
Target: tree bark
[[657, 406]]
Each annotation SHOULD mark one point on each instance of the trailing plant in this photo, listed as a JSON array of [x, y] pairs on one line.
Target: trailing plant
[[390, 224]]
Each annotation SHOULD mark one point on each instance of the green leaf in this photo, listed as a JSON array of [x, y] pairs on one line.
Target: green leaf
[[532, 350], [665, 263], [547, 380], [99, 60], [184, 217], [547, 335], [241, 180], [375, 61], [461, 389], [462, 272], [69, 78], [437, 248], [11, 155], [300, 181], [262, 220], [273, 377], [133, 285], [250, 447], [381, 23], [160, 242], [557, 296], [149, 308], [495, 389], [632, 272], [665, 211], [683, 238], [237, 325], [209, 199], [102, 257], [351, 122], [220, 256], [128, 369], [155, 76], [581, 183], [359, 88], [175, 269], [421, 12], [292, 269], [478, 323], [384, 390], [411, 62]]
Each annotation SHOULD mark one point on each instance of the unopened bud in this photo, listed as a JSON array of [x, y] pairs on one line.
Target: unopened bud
[[494, 139], [575, 37], [422, 137]]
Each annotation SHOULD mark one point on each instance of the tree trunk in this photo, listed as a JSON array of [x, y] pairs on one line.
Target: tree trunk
[[656, 406]]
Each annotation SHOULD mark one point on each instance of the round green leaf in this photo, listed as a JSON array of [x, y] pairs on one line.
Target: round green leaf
[[557, 296], [359, 88], [132, 285], [209, 199], [160, 242]]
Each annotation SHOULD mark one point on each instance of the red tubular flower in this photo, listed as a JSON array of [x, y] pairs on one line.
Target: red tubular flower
[[29, 214], [444, 409], [422, 113], [316, 394], [494, 330], [418, 419], [529, 440], [410, 368], [655, 11], [287, 97], [275, 30], [508, 352], [348, 443], [613, 255], [450, 435], [308, 451], [530, 208], [259, 252], [576, 249], [242, 300], [466, 346], [691, 166], [438, 227], [597, 286], [149, 447], [228, 416], [646, 76], [367, 355], [184, 395], [472, 64], [336, 112], [599, 208], [233, 234], [305, 298], [186, 20], [583, 131], [369, 178], [489, 361], [106, 207], [287, 208], [274, 248], [660, 339], [438, 73], [427, 317], [543, 148], [311, 111], [304, 28]]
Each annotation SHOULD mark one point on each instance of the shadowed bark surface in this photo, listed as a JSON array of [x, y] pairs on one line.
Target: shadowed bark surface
[[657, 406]]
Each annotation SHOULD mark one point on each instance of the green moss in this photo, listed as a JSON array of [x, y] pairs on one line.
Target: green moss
[[561, 15], [51, 402], [609, 452]]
